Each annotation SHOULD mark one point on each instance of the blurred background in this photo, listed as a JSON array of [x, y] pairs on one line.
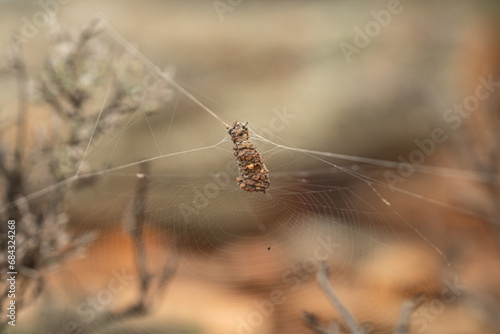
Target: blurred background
[[376, 119]]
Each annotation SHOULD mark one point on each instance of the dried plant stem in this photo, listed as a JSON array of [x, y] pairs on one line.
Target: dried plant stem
[[313, 323], [254, 176], [408, 307], [138, 230], [19, 67], [74, 72], [156, 73], [172, 263], [143, 305], [14, 175], [325, 285]]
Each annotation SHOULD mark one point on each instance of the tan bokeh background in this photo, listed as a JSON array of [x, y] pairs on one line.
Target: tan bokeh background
[[266, 56]]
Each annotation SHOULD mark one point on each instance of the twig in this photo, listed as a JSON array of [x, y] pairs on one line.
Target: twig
[[77, 96], [323, 282], [3, 163], [138, 229], [171, 264], [172, 261], [407, 308], [14, 175], [89, 31], [142, 306], [19, 66], [50, 96]]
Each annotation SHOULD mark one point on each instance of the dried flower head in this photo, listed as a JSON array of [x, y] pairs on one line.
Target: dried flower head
[[254, 176]]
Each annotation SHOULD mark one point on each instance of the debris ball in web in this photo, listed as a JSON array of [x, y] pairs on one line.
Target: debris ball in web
[[254, 176]]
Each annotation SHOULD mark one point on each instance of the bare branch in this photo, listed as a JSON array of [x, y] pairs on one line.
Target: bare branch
[[138, 230], [19, 66], [171, 263], [14, 174], [313, 323], [3, 164], [50, 96], [77, 95], [90, 30], [409, 306], [324, 283]]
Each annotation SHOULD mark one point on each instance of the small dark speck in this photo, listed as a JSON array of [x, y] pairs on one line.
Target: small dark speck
[[268, 248]]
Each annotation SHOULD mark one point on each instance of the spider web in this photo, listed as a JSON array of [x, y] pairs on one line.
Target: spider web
[[314, 195]]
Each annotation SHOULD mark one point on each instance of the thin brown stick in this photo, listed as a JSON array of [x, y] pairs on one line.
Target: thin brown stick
[[312, 321], [137, 231], [407, 308], [76, 95], [142, 306], [19, 66], [171, 264], [325, 285]]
